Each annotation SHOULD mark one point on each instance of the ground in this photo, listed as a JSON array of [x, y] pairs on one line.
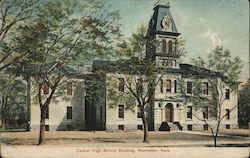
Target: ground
[[227, 138]]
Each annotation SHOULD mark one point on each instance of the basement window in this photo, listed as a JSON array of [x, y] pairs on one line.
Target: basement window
[[205, 127], [46, 127], [69, 127], [189, 127], [139, 127], [121, 127]]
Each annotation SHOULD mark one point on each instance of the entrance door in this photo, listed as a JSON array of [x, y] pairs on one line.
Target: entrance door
[[169, 112]]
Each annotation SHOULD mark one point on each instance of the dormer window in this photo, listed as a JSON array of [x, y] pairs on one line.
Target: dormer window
[[164, 46], [170, 46]]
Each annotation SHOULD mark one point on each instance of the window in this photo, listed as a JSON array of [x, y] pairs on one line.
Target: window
[[170, 46], [69, 88], [47, 113], [227, 94], [45, 88], [140, 85], [168, 86], [69, 112], [227, 114], [69, 127], [189, 112], [121, 84], [177, 105], [189, 87], [139, 112], [139, 127], [189, 127], [121, 127], [163, 42], [46, 127], [204, 88], [227, 126], [159, 105], [205, 127], [120, 111], [205, 112], [161, 86], [175, 86]]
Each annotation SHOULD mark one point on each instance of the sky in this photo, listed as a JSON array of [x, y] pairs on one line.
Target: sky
[[202, 23]]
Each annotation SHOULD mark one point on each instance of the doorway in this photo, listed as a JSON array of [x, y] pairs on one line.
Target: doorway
[[169, 112]]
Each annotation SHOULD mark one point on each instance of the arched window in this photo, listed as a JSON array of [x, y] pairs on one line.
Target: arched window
[[170, 46], [161, 86], [168, 86], [164, 46]]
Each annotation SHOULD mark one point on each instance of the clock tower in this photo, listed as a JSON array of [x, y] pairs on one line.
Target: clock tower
[[162, 34]]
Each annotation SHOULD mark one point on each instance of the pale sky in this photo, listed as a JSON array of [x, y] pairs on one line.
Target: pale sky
[[202, 23]]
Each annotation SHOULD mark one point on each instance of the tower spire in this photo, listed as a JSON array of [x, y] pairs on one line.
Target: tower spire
[[162, 2]]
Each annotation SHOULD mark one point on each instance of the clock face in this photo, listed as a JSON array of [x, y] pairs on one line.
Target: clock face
[[166, 23]]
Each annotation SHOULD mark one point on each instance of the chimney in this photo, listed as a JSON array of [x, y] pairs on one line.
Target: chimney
[[134, 60]]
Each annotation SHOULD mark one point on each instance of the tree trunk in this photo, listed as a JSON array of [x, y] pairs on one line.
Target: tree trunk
[[42, 128], [145, 130], [215, 141]]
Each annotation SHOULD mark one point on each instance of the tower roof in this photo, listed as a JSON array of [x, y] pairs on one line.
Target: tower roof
[[162, 21]]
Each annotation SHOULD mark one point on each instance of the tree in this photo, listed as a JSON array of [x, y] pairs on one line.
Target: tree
[[244, 105], [63, 35], [13, 98], [134, 79], [139, 76], [14, 13], [212, 82], [139, 82]]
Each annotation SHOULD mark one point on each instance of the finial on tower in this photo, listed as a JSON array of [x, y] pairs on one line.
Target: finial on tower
[[162, 2]]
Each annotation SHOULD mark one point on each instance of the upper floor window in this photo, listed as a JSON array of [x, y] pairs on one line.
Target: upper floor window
[[139, 112], [227, 94], [205, 112], [189, 87], [228, 114], [45, 88], [120, 111], [170, 46], [189, 112], [204, 88], [175, 86], [121, 84], [164, 46], [161, 86], [69, 112], [168, 86], [69, 88]]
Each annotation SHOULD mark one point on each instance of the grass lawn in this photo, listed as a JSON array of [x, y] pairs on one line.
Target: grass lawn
[[228, 138]]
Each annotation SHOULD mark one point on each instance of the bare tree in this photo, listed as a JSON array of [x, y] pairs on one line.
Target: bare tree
[[210, 89]]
